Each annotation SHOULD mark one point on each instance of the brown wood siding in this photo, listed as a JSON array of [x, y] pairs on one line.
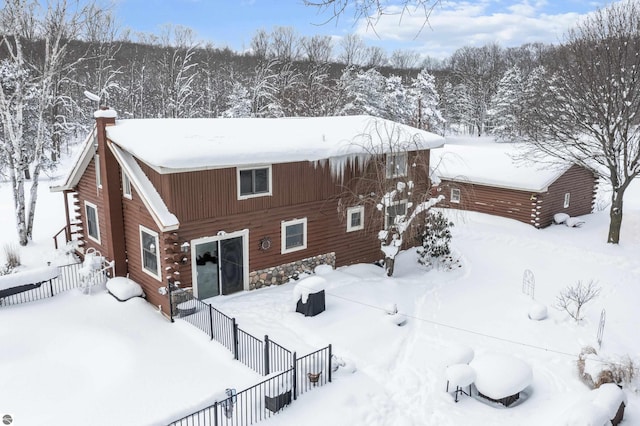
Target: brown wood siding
[[577, 181], [512, 204], [88, 191], [136, 214]]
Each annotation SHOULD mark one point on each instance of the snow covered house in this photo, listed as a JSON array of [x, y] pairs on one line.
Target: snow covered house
[[481, 175], [229, 204]]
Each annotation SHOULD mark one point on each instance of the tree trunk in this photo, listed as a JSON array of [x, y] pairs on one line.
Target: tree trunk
[[18, 200], [615, 216], [389, 263], [33, 197]]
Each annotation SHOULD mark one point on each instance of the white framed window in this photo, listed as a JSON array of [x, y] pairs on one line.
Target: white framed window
[[355, 218], [398, 208], [126, 185], [567, 198], [93, 225], [455, 195], [293, 235], [96, 162], [396, 165], [150, 252], [254, 182]]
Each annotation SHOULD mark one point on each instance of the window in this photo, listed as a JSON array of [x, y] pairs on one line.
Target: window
[[254, 182], [567, 198], [93, 227], [455, 195], [355, 218], [294, 235], [399, 208], [96, 162], [126, 186], [396, 165], [150, 252]]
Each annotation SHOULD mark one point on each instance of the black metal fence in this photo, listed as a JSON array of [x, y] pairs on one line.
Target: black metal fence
[[263, 356], [267, 398], [66, 280]]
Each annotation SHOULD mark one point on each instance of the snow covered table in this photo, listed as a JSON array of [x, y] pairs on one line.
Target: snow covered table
[[460, 376], [500, 378]]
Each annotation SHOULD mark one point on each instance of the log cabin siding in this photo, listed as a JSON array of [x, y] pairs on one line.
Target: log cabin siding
[[580, 183], [533, 208], [87, 190], [509, 203]]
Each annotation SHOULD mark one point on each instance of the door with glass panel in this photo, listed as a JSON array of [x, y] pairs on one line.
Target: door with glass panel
[[218, 266]]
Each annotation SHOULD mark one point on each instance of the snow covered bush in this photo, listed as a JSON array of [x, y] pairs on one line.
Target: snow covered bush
[[436, 237], [595, 370], [573, 299]]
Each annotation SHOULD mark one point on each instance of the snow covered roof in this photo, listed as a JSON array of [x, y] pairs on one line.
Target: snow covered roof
[[188, 144], [486, 162]]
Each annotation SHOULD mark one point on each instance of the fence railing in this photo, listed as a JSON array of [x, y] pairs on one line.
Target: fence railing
[[66, 280], [71, 276], [263, 356], [267, 398]]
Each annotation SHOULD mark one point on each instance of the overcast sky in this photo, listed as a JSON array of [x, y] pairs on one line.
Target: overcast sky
[[452, 24]]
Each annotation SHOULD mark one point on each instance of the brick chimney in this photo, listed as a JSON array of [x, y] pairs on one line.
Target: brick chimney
[[111, 193]]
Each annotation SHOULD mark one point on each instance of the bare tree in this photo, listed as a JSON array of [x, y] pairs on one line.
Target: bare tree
[[260, 44], [573, 299], [285, 44], [394, 185], [375, 56], [352, 50], [317, 49], [30, 91], [589, 110], [404, 59], [372, 10]]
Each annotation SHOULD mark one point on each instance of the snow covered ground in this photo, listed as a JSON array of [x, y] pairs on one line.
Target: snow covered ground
[[87, 359]]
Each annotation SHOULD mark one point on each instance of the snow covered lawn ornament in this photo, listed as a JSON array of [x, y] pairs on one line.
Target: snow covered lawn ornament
[[500, 378], [124, 289]]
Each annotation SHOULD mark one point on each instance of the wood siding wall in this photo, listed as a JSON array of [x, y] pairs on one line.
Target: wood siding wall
[[580, 183], [88, 190], [507, 203], [206, 204], [536, 209]]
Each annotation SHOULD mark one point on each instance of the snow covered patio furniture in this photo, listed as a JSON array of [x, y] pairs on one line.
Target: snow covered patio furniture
[[600, 406], [500, 378], [124, 289], [20, 282], [309, 293], [460, 376]]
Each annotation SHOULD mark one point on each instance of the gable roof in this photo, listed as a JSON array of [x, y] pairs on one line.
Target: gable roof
[[483, 161], [177, 145]]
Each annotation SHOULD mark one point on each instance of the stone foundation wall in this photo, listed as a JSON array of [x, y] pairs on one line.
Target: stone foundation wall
[[283, 273]]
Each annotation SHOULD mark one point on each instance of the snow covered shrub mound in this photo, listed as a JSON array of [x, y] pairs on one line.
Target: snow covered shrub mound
[[323, 269], [537, 311], [124, 289], [596, 370], [560, 218], [571, 222]]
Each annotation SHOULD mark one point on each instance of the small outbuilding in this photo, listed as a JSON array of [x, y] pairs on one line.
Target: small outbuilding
[[479, 174]]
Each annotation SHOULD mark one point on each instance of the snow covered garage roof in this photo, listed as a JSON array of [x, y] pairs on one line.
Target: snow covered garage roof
[[483, 161], [188, 144]]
